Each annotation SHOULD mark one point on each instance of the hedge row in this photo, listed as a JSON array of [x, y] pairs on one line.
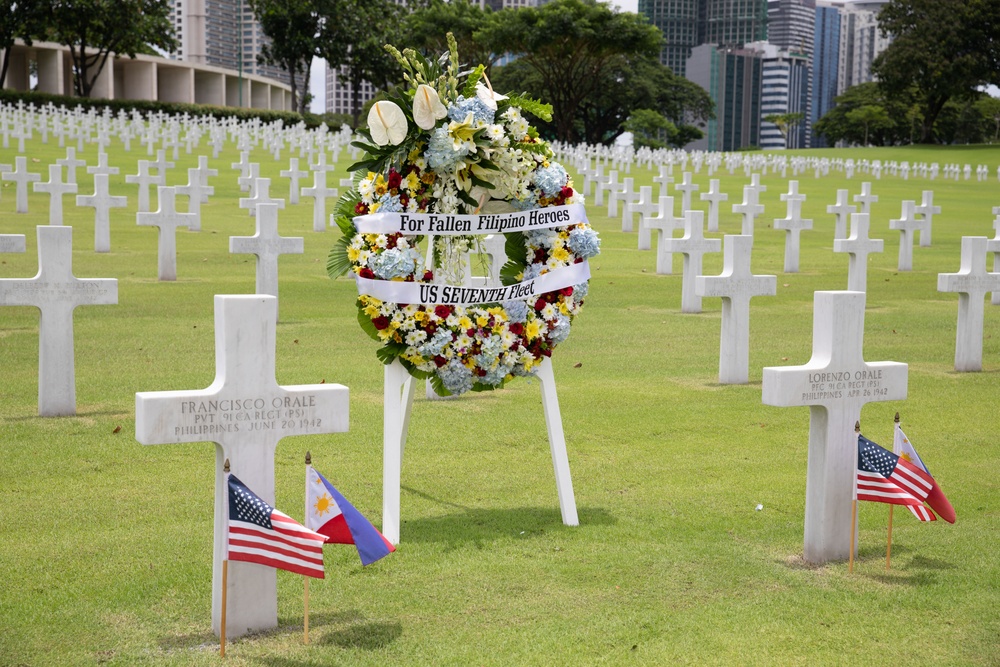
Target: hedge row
[[146, 107]]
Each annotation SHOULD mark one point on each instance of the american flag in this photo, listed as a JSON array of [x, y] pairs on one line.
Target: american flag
[[884, 477], [258, 533]]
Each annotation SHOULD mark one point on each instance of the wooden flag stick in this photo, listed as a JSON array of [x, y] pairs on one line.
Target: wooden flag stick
[[222, 628], [306, 639], [888, 539], [854, 508], [305, 597]]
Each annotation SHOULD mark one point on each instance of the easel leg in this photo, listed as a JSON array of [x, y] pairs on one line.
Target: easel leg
[[557, 443], [397, 405]]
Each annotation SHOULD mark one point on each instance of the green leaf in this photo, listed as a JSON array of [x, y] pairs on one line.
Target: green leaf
[[388, 352], [438, 386], [337, 263], [467, 198], [367, 326], [474, 77], [534, 107]]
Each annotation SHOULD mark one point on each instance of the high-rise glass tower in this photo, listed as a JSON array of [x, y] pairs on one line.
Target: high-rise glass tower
[[825, 64], [678, 21], [790, 25]]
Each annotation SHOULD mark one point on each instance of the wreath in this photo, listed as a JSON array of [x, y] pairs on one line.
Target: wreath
[[447, 160]]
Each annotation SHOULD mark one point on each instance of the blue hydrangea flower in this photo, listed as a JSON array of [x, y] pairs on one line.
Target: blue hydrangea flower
[[432, 347], [455, 377], [489, 350], [460, 109], [393, 263], [495, 376], [517, 311], [551, 179], [560, 331], [580, 292], [540, 238], [529, 202], [519, 371], [584, 242], [389, 204], [441, 154], [533, 271]]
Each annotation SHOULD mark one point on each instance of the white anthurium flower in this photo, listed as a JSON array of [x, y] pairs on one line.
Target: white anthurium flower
[[387, 123], [427, 107], [488, 97]]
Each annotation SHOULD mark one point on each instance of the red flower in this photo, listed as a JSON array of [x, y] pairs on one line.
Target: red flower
[[540, 256], [540, 304], [381, 322], [366, 272], [566, 192], [361, 208], [470, 333], [428, 276], [566, 291], [517, 328], [394, 179], [442, 311], [440, 361]]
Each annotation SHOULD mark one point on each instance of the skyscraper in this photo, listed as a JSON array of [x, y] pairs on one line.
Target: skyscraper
[[860, 42], [687, 23], [790, 25], [732, 78], [784, 90], [825, 64]]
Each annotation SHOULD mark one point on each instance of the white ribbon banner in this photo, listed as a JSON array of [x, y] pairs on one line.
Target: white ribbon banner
[[430, 294], [484, 223]]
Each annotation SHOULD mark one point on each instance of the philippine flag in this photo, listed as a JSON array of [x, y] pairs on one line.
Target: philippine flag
[[328, 513]]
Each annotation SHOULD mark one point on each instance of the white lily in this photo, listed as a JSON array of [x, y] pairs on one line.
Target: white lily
[[488, 97], [427, 107], [387, 123]]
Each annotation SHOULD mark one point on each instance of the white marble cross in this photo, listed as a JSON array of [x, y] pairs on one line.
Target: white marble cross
[[694, 246], [245, 413], [664, 178], [627, 196], [56, 188], [261, 195], [907, 224], [749, 208], [841, 209], [248, 182], [12, 243], [56, 292], [836, 383], [665, 225], [713, 197], [866, 198], [319, 192], [102, 202], [646, 208], [267, 245], [293, 174], [686, 188], [197, 192], [607, 184], [161, 165], [71, 162], [21, 176], [858, 246], [143, 179], [622, 193], [793, 223], [736, 285], [102, 166], [996, 252], [927, 209], [166, 219], [972, 282]]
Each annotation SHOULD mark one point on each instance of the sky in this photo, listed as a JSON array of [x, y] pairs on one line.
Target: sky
[[317, 78]]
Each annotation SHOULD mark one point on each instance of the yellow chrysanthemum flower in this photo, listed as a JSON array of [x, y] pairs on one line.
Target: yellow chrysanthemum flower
[[531, 329], [464, 322], [560, 254]]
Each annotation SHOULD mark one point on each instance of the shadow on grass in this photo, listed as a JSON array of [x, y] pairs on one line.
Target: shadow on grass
[[369, 636], [285, 625], [470, 524]]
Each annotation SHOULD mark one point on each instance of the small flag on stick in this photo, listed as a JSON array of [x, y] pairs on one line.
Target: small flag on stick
[[258, 533], [883, 477], [935, 498], [328, 513]]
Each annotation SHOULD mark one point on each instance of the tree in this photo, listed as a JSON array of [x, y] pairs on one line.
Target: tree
[[647, 126], [837, 125], [989, 107], [19, 19], [94, 29], [868, 116], [377, 23], [785, 122], [569, 44], [942, 49], [422, 30], [293, 28]]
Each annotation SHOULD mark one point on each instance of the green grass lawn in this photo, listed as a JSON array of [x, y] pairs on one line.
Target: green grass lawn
[[105, 554]]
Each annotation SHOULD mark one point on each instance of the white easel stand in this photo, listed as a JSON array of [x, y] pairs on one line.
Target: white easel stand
[[398, 404]]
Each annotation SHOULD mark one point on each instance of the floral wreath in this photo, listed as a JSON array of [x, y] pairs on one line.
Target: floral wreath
[[448, 147]]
